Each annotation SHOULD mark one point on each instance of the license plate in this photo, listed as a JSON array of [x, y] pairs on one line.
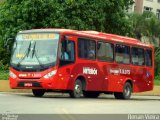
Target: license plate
[[28, 84]]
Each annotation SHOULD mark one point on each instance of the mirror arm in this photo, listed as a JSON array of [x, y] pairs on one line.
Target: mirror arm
[[6, 43]]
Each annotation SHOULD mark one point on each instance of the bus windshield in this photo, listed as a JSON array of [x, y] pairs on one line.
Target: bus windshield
[[35, 50]]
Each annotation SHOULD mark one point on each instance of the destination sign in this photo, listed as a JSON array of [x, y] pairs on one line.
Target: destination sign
[[38, 36]]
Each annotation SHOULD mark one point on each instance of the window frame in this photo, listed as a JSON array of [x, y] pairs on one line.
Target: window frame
[[115, 53], [151, 57], [146, 8], [86, 39], [66, 62], [112, 49], [143, 56]]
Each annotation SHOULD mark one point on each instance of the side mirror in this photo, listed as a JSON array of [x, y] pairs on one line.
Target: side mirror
[[7, 42]]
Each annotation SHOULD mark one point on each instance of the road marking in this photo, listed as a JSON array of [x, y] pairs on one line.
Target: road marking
[[65, 115]]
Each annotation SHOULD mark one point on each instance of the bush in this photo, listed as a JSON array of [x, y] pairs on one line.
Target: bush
[[3, 71], [3, 67], [4, 74], [157, 61], [157, 80]]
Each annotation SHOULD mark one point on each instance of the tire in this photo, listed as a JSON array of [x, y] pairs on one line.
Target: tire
[[38, 93], [126, 94], [91, 94], [77, 91]]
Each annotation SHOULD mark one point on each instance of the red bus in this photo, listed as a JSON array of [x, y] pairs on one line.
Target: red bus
[[81, 63]]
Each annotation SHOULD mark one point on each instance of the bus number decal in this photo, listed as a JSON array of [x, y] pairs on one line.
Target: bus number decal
[[120, 71]]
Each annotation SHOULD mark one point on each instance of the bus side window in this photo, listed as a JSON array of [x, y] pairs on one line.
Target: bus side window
[[67, 53], [148, 57], [137, 55], [134, 55], [141, 56], [105, 51], [86, 49], [122, 54]]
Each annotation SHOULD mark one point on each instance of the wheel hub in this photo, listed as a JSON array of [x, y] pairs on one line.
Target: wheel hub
[[77, 89], [127, 91]]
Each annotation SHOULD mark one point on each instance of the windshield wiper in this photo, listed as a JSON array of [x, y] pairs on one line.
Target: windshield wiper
[[35, 53], [26, 54], [14, 48]]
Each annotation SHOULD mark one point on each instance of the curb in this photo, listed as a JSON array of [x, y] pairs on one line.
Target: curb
[[4, 87]]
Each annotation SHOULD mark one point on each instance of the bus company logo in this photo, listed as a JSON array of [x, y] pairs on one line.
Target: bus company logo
[[120, 71], [91, 71]]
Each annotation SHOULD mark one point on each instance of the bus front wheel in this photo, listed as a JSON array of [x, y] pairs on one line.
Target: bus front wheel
[[77, 91], [126, 94], [38, 93]]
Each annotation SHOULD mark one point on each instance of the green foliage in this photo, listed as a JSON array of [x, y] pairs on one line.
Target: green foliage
[[157, 61], [2, 66], [4, 56], [146, 24], [106, 15], [1, 1], [4, 74], [157, 80]]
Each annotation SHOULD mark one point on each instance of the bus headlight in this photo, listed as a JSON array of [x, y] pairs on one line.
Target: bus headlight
[[11, 74], [50, 74]]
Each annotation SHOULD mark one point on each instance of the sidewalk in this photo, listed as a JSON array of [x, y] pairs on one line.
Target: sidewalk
[[4, 87]]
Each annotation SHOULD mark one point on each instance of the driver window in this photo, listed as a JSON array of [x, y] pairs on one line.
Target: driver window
[[67, 54]]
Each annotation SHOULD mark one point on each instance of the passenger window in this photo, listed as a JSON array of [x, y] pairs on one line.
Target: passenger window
[[105, 51], [67, 54], [137, 56], [86, 48], [122, 54], [148, 56]]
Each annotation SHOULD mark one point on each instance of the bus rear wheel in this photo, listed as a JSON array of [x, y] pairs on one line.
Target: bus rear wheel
[[89, 94], [126, 94], [77, 91], [38, 92]]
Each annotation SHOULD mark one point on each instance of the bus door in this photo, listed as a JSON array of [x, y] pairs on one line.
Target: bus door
[[66, 62]]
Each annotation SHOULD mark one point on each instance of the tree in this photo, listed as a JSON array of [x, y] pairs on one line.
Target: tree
[[136, 23], [101, 15], [146, 24], [152, 26]]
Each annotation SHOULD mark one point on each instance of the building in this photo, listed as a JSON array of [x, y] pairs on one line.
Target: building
[[146, 5]]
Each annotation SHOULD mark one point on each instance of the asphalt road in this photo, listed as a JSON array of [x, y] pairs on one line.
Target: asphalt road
[[26, 103]]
